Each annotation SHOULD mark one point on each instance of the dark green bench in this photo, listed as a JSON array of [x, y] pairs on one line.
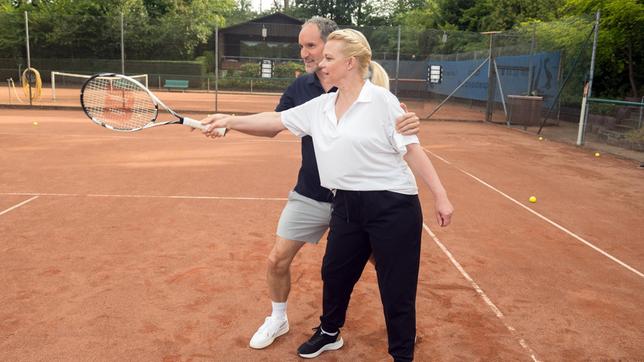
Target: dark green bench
[[171, 84]]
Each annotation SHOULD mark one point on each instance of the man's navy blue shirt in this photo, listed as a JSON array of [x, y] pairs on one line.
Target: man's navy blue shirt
[[302, 90]]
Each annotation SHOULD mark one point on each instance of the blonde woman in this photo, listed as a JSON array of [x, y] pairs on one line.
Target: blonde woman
[[375, 207]]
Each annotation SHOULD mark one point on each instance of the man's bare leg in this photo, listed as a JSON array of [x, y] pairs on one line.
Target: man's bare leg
[[278, 273], [278, 276]]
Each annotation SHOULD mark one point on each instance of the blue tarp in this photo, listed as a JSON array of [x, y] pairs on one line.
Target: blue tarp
[[513, 72]]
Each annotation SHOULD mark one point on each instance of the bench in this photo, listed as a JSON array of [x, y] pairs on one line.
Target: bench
[[171, 84]]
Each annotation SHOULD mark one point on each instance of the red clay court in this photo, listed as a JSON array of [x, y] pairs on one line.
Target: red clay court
[[152, 246]]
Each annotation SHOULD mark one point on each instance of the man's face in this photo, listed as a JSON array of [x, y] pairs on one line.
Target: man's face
[[311, 47]]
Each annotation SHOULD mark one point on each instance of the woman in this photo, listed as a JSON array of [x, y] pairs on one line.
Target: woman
[[376, 207]]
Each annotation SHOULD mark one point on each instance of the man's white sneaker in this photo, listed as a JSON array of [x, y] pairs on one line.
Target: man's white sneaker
[[266, 334]]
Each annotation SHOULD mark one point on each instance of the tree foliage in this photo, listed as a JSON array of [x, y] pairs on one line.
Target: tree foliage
[[177, 29], [161, 29], [621, 51]]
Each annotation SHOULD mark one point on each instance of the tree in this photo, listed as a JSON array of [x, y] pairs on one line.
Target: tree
[[11, 33], [242, 12], [165, 29], [340, 11], [621, 45], [490, 15]]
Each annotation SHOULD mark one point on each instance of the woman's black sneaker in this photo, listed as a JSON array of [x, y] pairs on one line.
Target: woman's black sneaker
[[319, 343]]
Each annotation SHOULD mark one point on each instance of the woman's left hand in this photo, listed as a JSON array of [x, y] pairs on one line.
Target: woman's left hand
[[444, 211]]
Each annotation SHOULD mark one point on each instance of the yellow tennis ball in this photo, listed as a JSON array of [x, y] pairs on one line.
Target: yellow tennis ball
[[532, 199], [35, 123], [597, 154], [540, 138]]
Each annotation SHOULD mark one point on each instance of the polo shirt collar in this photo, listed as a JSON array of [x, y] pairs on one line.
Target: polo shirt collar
[[314, 80], [365, 96], [366, 92]]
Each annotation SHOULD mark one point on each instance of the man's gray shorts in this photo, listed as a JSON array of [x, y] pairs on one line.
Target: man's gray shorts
[[304, 219]]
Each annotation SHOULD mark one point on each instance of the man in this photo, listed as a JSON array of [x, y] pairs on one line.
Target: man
[[307, 213]]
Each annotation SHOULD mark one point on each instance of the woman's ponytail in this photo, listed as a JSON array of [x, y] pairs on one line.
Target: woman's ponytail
[[379, 75]]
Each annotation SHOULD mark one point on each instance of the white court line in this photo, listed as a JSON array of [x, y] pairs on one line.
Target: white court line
[[149, 196], [587, 243], [93, 136], [276, 141], [480, 291], [18, 205]]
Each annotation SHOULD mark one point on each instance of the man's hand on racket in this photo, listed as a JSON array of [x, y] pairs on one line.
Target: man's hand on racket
[[214, 122], [408, 124]]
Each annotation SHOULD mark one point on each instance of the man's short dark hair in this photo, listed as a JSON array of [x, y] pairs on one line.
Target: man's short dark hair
[[325, 25]]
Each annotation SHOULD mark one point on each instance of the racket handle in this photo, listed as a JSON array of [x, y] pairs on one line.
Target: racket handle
[[198, 125]]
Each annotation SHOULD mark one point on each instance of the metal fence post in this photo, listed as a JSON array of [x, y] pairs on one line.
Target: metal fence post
[[530, 66], [122, 47], [491, 75], [397, 62], [216, 68], [28, 70], [583, 116]]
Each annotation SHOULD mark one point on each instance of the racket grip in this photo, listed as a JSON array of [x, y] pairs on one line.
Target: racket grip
[[198, 125]]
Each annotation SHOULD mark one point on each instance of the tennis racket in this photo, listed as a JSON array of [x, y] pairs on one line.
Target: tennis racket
[[120, 103]]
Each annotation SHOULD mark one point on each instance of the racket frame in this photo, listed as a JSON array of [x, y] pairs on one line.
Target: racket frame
[[190, 122]]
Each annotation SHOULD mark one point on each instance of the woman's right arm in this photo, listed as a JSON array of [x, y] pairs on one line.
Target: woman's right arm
[[422, 167], [266, 124]]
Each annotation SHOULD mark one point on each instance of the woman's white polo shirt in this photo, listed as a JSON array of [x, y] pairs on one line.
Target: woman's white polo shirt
[[362, 151]]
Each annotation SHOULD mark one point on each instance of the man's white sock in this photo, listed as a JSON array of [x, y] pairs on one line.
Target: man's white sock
[[279, 311]]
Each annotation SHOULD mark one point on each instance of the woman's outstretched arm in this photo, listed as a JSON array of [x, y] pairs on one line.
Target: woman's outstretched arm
[[265, 124]]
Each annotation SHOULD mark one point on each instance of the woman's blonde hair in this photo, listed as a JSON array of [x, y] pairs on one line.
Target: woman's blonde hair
[[356, 45]]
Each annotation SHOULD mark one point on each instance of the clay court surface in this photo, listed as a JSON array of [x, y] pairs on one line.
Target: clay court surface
[[235, 102], [152, 246]]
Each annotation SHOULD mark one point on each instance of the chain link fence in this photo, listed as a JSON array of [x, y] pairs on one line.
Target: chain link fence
[[531, 78]]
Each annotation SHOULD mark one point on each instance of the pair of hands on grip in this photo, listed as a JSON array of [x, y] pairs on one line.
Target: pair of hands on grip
[[407, 124]]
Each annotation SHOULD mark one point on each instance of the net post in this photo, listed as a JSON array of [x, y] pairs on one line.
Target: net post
[[53, 85], [9, 89]]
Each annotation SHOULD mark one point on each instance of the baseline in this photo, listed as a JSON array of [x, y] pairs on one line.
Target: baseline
[[189, 197]]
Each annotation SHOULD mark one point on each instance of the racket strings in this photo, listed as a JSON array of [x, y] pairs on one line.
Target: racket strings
[[118, 103]]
